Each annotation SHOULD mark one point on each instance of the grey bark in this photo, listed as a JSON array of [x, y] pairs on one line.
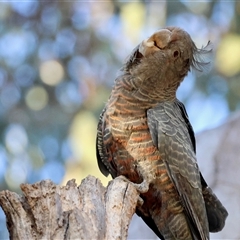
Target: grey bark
[[88, 211]]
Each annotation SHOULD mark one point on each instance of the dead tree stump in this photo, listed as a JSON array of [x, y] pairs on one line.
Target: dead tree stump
[[88, 211]]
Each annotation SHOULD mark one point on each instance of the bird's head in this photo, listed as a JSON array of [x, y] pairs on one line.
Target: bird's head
[[164, 59]]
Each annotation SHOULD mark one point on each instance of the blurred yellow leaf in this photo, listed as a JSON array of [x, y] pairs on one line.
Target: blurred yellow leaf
[[36, 98], [133, 17], [228, 55], [83, 141], [80, 171], [83, 134], [51, 72]]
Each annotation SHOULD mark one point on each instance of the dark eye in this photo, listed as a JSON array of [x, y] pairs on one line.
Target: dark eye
[[175, 54]]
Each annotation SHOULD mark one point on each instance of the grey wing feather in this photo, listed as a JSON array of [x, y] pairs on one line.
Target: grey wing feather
[[216, 212], [175, 147], [100, 147], [104, 141]]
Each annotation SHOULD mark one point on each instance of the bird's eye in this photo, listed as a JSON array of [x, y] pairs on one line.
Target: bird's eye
[[175, 54]]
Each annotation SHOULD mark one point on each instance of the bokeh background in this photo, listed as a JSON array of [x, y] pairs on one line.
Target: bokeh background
[[58, 61]]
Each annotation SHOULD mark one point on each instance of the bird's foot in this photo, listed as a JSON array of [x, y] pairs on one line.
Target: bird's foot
[[142, 187]]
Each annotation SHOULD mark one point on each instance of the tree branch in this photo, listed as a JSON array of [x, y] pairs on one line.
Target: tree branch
[[89, 211]]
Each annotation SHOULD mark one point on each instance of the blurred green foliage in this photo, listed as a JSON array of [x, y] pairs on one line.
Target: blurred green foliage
[[58, 61]]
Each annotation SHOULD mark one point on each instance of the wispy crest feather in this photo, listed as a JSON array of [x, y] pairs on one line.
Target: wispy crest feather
[[202, 58]]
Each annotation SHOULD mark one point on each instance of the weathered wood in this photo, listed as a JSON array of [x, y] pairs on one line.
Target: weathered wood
[[88, 211]]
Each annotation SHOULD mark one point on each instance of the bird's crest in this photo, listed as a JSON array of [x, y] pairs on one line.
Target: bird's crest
[[202, 58]]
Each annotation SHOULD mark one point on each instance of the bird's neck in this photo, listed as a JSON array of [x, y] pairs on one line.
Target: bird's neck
[[148, 94]]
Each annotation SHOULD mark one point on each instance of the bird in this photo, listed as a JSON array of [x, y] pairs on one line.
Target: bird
[[144, 134]]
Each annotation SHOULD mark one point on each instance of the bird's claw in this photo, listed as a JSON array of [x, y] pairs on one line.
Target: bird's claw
[[142, 187]]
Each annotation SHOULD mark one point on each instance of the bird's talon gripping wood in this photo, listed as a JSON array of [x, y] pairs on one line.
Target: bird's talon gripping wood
[[142, 187], [144, 134]]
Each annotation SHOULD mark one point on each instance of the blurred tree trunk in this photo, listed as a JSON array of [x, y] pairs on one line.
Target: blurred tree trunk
[[89, 211], [218, 154]]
